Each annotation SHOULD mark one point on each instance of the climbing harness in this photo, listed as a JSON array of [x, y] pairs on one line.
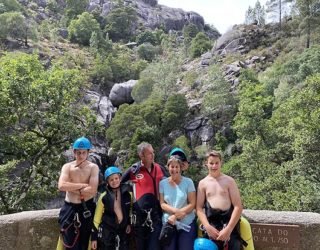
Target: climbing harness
[[86, 211], [77, 224], [117, 242], [148, 222]]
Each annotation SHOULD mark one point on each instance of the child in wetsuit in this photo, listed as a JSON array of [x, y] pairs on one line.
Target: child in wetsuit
[[219, 205], [112, 215]]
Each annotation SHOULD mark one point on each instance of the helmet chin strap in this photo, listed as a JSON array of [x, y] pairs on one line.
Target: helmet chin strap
[[78, 165]]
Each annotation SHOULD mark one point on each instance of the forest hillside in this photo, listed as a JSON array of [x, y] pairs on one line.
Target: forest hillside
[[123, 72]]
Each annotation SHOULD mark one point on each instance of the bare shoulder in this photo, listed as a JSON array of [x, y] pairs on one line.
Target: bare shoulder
[[203, 183], [229, 180], [67, 166], [94, 167]]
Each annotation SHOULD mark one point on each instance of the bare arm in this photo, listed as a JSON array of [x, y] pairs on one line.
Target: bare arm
[[91, 189], [65, 184], [201, 197], [237, 210]]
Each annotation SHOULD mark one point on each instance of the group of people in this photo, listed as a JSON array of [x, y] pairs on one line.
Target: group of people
[[157, 204]]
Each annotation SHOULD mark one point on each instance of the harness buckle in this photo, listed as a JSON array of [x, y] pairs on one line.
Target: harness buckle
[[86, 214], [76, 222], [133, 219]]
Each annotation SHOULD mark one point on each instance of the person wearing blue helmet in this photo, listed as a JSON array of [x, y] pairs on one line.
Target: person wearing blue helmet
[[182, 155], [112, 216], [204, 244], [79, 179]]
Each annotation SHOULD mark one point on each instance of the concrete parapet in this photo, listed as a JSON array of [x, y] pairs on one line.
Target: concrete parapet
[[35, 230]]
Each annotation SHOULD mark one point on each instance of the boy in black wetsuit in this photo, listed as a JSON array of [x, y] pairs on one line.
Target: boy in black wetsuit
[[112, 215], [219, 195]]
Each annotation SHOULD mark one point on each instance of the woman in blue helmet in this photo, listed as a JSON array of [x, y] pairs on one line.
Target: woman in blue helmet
[[112, 216], [79, 179]]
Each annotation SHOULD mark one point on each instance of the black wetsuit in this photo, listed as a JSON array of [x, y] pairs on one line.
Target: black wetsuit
[[74, 237], [112, 235], [219, 219], [146, 207]]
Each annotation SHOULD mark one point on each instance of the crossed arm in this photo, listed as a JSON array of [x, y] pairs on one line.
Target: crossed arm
[[86, 189], [178, 213]]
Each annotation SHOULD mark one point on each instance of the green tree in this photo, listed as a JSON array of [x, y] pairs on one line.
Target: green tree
[[147, 51], [278, 7], [120, 23], [199, 45], [14, 25], [174, 113], [309, 12], [135, 123], [143, 89], [98, 44], [249, 16], [81, 29], [256, 15], [147, 37], [40, 115], [9, 6], [165, 74], [189, 32], [75, 8]]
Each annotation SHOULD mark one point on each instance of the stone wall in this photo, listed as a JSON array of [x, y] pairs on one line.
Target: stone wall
[[271, 230]]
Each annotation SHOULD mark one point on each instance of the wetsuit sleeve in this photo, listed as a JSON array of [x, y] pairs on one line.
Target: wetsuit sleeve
[[164, 171], [126, 176], [97, 217]]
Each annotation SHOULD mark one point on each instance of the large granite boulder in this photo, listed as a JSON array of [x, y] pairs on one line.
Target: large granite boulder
[[121, 93], [152, 15]]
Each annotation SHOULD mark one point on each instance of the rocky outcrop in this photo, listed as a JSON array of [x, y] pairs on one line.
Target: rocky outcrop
[[121, 93], [166, 17], [101, 105], [152, 15], [241, 38]]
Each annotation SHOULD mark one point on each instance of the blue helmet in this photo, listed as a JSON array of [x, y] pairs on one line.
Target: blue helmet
[[82, 143], [110, 171], [204, 244], [179, 152]]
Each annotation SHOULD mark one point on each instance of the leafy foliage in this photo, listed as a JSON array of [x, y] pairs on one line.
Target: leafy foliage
[[9, 6], [75, 8], [146, 121], [189, 32], [199, 45], [147, 37], [40, 115], [279, 143], [120, 22], [81, 29], [14, 25], [147, 51], [257, 14]]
